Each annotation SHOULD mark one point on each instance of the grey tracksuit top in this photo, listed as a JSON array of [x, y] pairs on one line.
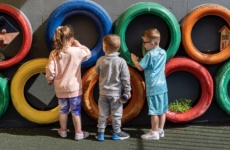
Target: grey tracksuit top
[[114, 76]]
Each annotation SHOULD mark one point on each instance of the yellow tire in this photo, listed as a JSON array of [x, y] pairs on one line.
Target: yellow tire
[[23, 74]]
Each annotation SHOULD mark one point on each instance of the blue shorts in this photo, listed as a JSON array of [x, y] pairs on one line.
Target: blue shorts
[[158, 104], [73, 104]]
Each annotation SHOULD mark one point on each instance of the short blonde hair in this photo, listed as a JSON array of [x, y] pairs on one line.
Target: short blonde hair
[[152, 34], [112, 42]]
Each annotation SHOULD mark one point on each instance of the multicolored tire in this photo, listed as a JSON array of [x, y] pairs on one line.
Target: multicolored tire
[[26, 34], [187, 26], [222, 79], [23, 74], [87, 8], [205, 79], [148, 8], [89, 80]]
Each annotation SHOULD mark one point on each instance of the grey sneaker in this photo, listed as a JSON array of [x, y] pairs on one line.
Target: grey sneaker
[[81, 136], [151, 135], [120, 136]]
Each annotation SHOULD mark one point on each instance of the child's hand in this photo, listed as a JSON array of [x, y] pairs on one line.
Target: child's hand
[[134, 57], [76, 43], [129, 96]]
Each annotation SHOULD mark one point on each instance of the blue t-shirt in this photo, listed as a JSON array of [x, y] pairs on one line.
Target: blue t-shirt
[[153, 64]]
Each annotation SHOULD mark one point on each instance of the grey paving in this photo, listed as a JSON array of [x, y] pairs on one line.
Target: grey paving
[[198, 136]]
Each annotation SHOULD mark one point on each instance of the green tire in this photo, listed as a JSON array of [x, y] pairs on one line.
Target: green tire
[[148, 8], [222, 79], [4, 95]]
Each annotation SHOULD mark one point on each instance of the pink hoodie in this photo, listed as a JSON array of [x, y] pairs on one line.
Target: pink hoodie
[[65, 70]]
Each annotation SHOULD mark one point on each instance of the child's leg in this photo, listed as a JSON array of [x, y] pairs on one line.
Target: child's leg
[[116, 113], [154, 122], [103, 105], [75, 105], [162, 119], [77, 123], [64, 110], [63, 121]]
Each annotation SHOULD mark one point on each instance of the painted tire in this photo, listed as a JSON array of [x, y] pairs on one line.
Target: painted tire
[[187, 26], [148, 8], [4, 95], [87, 8], [205, 79], [136, 103], [25, 72], [26, 33], [222, 80]]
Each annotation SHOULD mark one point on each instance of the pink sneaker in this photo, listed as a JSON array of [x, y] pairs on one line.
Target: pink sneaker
[[80, 136]]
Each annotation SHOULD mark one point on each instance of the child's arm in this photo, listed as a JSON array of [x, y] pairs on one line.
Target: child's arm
[[135, 62], [76, 43], [125, 79], [50, 70], [87, 55]]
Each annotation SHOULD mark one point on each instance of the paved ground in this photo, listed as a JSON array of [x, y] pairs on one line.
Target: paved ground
[[199, 136]]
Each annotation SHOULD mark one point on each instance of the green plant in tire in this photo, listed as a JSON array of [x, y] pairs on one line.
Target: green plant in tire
[[180, 105]]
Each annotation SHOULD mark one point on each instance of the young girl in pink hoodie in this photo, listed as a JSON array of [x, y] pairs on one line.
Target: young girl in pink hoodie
[[64, 70]]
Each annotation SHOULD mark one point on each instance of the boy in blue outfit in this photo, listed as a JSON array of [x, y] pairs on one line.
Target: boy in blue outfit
[[153, 65], [114, 78]]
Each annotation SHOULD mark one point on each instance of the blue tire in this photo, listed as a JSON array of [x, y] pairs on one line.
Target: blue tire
[[82, 7]]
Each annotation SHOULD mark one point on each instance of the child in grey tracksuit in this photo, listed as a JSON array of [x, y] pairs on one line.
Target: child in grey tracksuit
[[114, 79]]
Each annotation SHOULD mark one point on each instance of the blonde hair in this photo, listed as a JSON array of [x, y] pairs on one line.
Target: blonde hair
[[152, 34], [112, 42], [62, 35]]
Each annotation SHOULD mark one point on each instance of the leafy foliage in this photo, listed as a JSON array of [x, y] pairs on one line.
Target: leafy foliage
[[180, 105]]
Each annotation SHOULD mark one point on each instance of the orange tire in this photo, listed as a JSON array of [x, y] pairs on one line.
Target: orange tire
[[132, 109], [187, 26]]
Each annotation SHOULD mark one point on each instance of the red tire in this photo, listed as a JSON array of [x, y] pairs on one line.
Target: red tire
[[26, 33], [205, 79]]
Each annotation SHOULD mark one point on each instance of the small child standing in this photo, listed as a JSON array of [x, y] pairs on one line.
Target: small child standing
[[64, 70], [153, 64], [114, 77]]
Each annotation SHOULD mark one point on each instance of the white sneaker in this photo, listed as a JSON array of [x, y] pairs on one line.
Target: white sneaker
[[161, 134], [151, 135], [62, 133], [81, 136]]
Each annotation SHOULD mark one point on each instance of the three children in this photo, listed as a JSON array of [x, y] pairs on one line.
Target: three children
[[64, 70]]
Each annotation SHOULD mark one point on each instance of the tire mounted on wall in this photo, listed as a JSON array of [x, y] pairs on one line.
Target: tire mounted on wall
[[23, 74], [148, 8], [87, 8], [205, 79], [26, 34], [4, 95], [89, 80], [222, 80], [187, 26]]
